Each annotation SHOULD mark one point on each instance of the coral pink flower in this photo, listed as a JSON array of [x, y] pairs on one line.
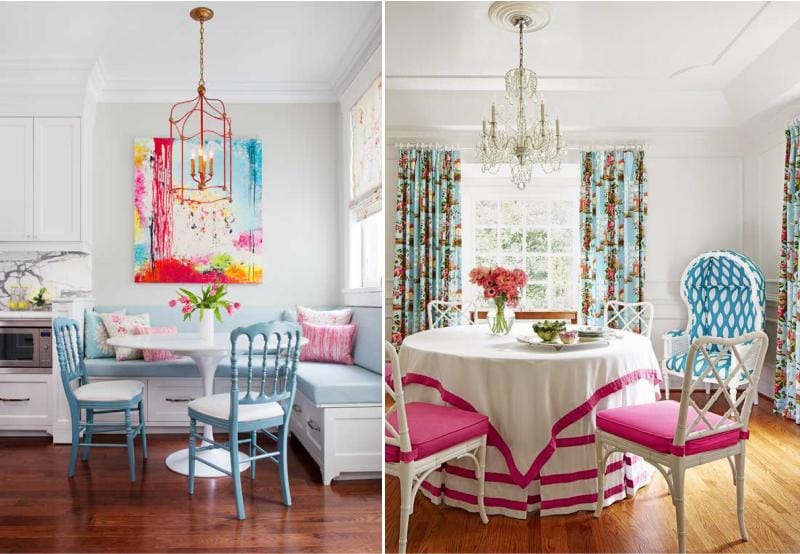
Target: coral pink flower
[[229, 309], [237, 305], [183, 300], [173, 303], [187, 309]]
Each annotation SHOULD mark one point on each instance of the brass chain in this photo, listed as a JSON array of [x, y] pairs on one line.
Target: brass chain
[[202, 44]]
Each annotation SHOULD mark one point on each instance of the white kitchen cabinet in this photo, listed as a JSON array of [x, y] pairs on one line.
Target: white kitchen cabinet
[[16, 187], [42, 189], [57, 179]]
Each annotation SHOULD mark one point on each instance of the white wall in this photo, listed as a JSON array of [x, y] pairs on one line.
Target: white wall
[[763, 144], [302, 244]]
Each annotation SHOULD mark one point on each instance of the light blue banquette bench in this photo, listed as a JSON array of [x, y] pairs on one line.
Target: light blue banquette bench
[[337, 413]]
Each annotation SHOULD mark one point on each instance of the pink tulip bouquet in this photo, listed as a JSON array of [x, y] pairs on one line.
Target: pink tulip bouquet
[[211, 298], [502, 285]]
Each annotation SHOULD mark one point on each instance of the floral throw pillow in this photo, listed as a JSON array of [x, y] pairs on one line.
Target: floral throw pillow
[[121, 325], [156, 355], [96, 335], [324, 317]]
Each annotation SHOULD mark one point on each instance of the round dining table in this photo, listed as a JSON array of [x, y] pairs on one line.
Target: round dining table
[[541, 403], [206, 355]]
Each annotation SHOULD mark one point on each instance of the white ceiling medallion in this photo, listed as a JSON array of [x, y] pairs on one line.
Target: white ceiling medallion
[[507, 15]]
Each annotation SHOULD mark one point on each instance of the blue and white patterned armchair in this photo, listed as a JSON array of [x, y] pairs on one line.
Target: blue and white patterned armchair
[[724, 294]]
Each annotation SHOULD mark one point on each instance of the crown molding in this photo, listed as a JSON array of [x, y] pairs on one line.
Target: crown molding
[[118, 91], [366, 42]]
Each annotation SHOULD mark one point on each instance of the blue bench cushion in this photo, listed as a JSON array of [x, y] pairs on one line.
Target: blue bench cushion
[[338, 384], [320, 383]]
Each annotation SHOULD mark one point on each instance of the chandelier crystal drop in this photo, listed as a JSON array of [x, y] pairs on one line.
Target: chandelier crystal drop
[[510, 136]]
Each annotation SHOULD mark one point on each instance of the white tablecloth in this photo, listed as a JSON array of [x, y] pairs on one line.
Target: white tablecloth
[[541, 405]]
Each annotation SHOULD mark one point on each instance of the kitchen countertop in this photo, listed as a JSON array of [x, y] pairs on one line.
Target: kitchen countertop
[[25, 314]]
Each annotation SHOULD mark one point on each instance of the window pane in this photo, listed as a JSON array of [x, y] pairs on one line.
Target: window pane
[[512, 212], [563, 212], [486, 240], [536, 295], [536, 212], [511, 240], [536, 240], [561, 299], [561, 240], [512, 262], [536, 268], [486, 212], [485, 261], [559, 269]]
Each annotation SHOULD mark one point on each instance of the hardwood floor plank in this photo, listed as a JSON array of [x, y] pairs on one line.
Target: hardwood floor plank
[[99, 510], [645, 523]]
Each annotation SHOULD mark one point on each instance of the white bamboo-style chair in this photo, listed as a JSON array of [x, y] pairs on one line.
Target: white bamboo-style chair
[[675, 436], [420, 437], [450, 313], [636, 317]]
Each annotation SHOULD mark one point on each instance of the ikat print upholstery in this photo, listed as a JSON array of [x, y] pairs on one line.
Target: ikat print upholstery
[[724, 292]]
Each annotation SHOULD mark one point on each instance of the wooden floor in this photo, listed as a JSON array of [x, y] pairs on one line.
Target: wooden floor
[[645, 523], [99, 510]]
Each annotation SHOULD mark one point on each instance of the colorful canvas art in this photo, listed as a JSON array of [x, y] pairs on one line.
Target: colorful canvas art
[[185, 235]]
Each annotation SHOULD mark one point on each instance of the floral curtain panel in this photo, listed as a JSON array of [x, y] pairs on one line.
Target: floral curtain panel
[[613, 213], [427, 236], [787, 377]]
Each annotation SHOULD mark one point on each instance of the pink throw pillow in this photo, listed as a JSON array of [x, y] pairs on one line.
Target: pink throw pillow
[[324, 317], [329, 343], [156, 355]]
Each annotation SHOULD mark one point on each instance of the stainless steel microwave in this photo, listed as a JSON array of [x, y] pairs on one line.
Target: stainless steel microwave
[[26, 346]]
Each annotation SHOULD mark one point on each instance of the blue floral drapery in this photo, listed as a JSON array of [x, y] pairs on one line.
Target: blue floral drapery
[[787, 375], [613, 213], [427, 236]]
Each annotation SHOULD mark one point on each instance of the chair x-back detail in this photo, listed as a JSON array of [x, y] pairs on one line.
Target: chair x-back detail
[[448, 314], [725, 297], [674, 437], [421, 437], [265, 404], [105, 397], [636, 317]]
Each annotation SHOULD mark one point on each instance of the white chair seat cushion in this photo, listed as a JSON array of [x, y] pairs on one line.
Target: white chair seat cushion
[[219, 406], [109, 391]]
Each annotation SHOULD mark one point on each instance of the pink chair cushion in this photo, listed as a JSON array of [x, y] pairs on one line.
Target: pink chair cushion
[[653, 426], [435, 428]]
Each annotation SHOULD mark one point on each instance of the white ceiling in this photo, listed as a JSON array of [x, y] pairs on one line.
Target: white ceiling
[[278, 46], [688, 63]]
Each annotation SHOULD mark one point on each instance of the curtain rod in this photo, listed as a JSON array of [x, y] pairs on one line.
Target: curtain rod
[[577, 147]]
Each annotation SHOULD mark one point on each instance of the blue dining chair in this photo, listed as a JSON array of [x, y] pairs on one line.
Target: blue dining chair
[[265, 405], [105, 397]]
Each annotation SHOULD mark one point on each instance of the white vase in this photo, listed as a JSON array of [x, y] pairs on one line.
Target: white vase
[[207, 326]]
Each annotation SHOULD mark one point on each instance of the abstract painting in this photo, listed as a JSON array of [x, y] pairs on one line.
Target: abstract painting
[[186, 235]]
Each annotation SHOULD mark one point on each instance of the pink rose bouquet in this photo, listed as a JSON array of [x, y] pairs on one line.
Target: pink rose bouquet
[[502, 285]]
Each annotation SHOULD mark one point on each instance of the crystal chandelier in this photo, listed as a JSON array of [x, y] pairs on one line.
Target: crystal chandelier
[[507, 137], [202, 127]]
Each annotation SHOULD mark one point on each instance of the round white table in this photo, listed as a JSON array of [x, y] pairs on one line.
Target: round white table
[[207, 356], [541, 406]]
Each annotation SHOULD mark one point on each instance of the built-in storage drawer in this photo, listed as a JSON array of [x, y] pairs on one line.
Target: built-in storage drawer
[[307, 424], [24, 401], [168, 399]]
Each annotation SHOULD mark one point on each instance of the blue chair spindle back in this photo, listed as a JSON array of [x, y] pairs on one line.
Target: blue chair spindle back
[[276, 379], [69, 348]]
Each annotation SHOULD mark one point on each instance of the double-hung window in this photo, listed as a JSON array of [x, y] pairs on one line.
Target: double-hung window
[[535, 230]]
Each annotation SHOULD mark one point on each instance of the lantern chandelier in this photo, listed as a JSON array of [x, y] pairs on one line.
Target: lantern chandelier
[[203, 129], [507, 137]]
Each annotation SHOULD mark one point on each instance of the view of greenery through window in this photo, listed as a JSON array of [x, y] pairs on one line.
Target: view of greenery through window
[[538, 235]]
